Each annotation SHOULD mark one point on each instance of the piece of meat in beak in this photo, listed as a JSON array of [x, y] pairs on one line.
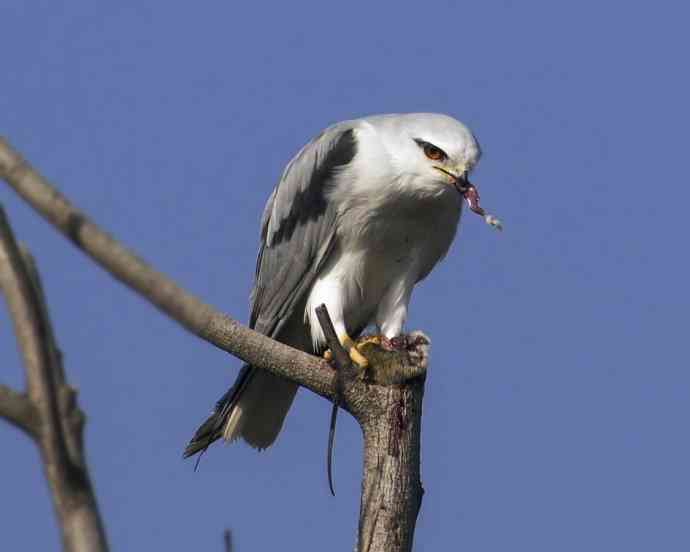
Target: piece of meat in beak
[[471, 196]]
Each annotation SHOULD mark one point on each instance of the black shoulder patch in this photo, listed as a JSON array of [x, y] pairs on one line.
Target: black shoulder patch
[[309, 203]]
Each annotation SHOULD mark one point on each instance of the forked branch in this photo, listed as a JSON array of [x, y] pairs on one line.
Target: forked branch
[[48, 412]]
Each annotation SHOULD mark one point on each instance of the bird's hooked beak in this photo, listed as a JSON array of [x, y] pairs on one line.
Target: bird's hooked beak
[[465, 188], [456, 177]]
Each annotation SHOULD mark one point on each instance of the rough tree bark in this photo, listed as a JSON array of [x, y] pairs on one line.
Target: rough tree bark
[[48, 412], [386, 403]]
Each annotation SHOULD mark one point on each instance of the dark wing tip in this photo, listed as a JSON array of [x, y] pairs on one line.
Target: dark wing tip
[[212, 428], [204, 437]]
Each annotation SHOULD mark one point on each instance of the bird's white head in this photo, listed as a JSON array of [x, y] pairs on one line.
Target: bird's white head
[[428, 151]]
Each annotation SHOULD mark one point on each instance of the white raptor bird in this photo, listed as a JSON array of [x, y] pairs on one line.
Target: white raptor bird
[[360, 215]]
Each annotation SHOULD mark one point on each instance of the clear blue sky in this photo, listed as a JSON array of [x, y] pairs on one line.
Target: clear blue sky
[[557, 407]]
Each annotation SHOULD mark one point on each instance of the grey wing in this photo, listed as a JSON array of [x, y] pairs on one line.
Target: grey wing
[[298, 231], [298, 228]]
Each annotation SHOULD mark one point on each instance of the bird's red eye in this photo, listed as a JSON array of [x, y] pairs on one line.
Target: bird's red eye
[[434, 153]]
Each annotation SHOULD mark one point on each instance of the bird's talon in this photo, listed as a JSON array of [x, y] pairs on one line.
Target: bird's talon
[[358, 358], [368, 340]]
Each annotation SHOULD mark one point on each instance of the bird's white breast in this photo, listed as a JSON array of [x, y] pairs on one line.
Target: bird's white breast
[[384, 246]]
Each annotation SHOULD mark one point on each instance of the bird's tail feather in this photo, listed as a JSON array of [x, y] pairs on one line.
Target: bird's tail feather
[[212, 429], [253, 408]]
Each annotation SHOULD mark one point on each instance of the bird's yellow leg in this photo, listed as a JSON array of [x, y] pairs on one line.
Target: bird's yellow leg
[[351, 347], [355, 356], [386, 361]]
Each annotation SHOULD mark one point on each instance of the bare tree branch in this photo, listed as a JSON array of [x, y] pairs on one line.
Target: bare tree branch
[[55, 420], [386, 400], [198, 317], [17, 409]]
